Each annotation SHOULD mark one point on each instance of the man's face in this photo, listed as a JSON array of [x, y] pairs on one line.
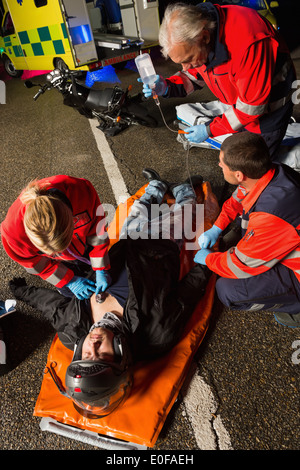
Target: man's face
[[191, 56], [228, 174], [98, 345]]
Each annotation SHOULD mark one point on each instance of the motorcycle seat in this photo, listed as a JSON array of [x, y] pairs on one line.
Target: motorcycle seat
[[99, 98]]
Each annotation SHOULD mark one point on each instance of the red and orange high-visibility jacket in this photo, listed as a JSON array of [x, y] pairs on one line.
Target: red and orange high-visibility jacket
[[249, 69], [89, 231], [270, 224]]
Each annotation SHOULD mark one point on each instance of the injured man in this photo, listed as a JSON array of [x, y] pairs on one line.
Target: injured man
[[144, 311]]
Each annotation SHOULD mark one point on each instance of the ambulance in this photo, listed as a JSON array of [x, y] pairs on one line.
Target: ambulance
[[75, 34]]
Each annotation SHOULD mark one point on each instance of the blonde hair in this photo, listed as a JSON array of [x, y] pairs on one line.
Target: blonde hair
[[183, 23], [48, 221]]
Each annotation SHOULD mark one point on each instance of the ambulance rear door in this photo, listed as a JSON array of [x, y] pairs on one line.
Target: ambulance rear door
[[80, 31]]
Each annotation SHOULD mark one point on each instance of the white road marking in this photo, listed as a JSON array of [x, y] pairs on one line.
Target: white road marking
[[110, 164], [199, 400], [201, 407]]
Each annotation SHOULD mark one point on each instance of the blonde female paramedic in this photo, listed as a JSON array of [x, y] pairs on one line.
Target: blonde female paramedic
[[56, 230]]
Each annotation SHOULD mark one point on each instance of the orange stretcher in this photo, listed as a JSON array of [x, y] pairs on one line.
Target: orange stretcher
[[136, 424]]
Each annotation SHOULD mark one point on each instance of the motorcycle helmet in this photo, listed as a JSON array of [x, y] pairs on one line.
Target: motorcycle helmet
[[97, 388]]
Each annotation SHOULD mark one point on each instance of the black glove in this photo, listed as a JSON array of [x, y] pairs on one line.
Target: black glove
[[17, 286]]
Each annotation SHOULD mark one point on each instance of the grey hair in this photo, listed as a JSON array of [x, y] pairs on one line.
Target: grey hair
[[183, 23]]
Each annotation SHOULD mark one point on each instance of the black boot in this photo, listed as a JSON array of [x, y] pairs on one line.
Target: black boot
[[150, 174]]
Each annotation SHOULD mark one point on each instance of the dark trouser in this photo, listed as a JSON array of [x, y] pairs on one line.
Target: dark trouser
[[274, 138], [277, 290]]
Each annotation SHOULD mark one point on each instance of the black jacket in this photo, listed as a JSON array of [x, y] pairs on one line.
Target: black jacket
[[158, 305]]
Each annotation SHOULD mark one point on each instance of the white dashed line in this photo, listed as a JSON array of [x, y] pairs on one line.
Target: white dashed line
[[201, 407], [110, 164]]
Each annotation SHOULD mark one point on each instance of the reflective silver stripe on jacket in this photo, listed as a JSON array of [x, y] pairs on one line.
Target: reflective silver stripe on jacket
[[295, 254], [187, 78], [236, 191], [95, 240], [235, 270], [250, 109], [249, 262], [244, 224], [58, 275], [100, 262], [253, 110], [39, 266], [254, 262], [233, 119]]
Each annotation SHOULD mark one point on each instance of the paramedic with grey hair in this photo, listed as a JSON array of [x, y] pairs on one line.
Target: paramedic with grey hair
[[240, 57]]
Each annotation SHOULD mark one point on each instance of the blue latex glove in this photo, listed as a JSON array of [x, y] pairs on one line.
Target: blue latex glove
[[82, 288], [201, 255], [196, 134], [210, 237], [103, 281], [160, 87]]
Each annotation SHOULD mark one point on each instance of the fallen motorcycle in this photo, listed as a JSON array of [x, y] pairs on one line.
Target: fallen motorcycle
[[114, 108]]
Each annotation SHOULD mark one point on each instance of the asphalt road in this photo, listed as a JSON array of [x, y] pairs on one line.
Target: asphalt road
[[248, 361]]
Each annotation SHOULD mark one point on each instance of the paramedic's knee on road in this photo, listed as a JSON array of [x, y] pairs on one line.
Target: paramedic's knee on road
[[276, 290]]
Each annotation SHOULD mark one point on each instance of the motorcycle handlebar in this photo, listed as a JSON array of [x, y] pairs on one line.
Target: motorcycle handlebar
[[40, 92]]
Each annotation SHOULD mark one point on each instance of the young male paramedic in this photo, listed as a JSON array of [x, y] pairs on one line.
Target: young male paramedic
[[143, 316], [262, 272], [242, 60]]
